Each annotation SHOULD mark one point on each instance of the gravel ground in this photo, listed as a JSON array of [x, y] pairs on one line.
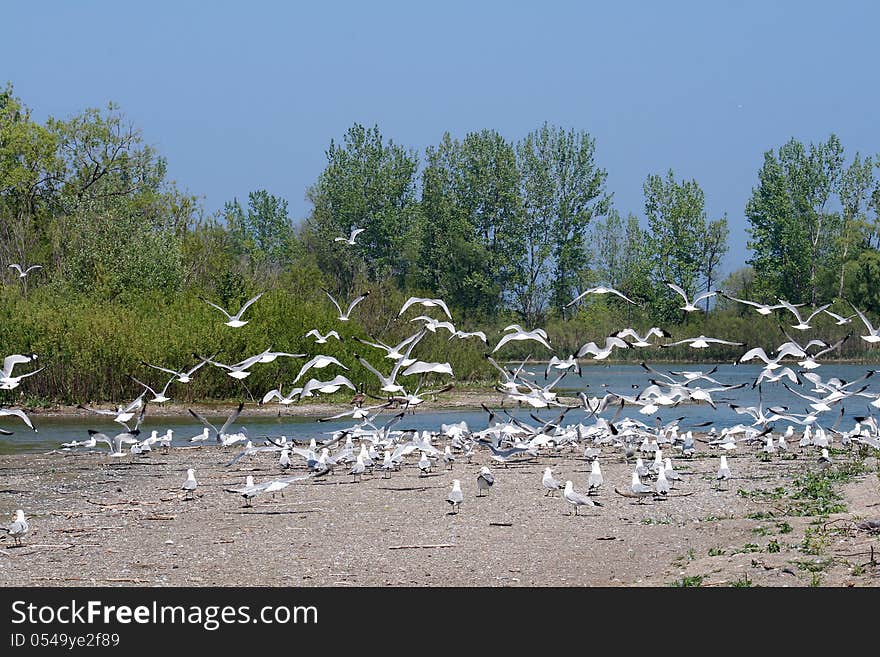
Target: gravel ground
[[98, 521]]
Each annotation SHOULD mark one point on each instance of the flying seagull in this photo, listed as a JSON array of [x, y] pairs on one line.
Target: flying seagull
[[23, 273], [235, 321], [343, 316], [598, 290], [350, 239], [690, 306]]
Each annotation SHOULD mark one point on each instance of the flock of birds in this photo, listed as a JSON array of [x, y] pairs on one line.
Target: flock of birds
[[604, 426]]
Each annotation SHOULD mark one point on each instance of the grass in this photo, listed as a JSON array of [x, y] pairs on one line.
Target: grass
[[773, 546], [686, 582], [742, 583], [748, 548], [715, 552]]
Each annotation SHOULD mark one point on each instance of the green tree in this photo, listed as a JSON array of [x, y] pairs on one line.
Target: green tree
[[264, 233], [713, 247], [562, 191], [368, 183]]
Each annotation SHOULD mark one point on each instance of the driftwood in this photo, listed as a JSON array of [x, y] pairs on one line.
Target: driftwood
[[501, 524], [413, 547]]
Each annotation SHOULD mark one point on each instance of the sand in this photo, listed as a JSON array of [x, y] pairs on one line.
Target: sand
[[97, 520]]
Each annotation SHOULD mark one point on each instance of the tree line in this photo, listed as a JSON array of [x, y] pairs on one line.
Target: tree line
[[502, 230]]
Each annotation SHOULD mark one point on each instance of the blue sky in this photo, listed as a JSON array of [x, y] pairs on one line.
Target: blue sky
[[241, 96]]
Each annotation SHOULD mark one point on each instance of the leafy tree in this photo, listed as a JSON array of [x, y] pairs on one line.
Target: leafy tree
[[368, 183], [713, 247], [264, 234], [562, 191]]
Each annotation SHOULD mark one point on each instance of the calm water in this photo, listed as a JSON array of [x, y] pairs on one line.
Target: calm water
[[596, 380]]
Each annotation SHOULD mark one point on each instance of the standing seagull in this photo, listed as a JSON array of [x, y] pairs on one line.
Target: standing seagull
[[596, 478], [723, 470], [549, 482], [690, 306], [235, 321], [189, 486], [455, 496], [578, 499], [350, 239], [23, 273], [484, 481], [19, 527]]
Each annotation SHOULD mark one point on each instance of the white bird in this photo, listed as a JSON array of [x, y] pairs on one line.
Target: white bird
[[761, 308], [17, 412], [485, 480], [538, 335], [189, 486], [723, 470], [600, 353], [873, 333], [702, 342], [420, 367], [282, 399], [433, 324], [639, 489], [219, 434], [642, 341], [19, 527], [343, 316], [556, 363], [662, 483], [318, 362], [690, 306], [598, 290], [462, 335], [448, 457], [183, 376], [158, 397], [802, 324], [596, 479], [455, 496], [549, 482], [235, 321], [427, 303], [22, 274], [358, 468], [322, 339], [122, 414], [7, 381], [839, 320], [350, 239], [424, 464], [326, 387], [824, 460], [575, 498]]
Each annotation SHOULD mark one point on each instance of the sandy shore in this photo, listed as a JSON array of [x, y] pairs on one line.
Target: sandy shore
[[96, 520]]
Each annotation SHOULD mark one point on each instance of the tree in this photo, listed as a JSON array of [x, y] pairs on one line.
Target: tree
[[265, 232], [562, 191], [677, 227], [713, 249], [470, 220], [367, 184], [856, 185]]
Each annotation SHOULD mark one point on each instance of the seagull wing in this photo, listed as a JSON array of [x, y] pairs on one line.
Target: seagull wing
[[232, 418], [247, 304], [356, 301], [211, 303], [678, 290]]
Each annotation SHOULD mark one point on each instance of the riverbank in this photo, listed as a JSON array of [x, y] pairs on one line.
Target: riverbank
[[97, 520]]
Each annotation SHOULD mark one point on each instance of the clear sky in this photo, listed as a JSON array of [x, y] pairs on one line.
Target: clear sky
[[247, 95]]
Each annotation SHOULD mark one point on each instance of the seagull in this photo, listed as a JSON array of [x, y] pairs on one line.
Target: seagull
[[23, 273], [433, 324], [485, 479], [462, 335], [575, 498], [322, 339], [642, 341], [158, 397], [772, 364], [448, 458], [350, 239], [802, 324], [343, 316], [824, 460], [603, 352], [424, 464], [639, 489], [563, 364], [428, 303], [596, 479], [326, 387], [662, 483], [873, 333], [702, 342], [7, 381], [189, 486], [396, 352], [221, 433], [17, 412], [598, 290], [19, 527], [122, 413], [840, 320], [761, 308], [318, 362], [282, 399], [420, 367], [690, 306], [183, 376], [549, 482], [723, 471], [540, 337], [358, 468], [455, 496], [235, 321]]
